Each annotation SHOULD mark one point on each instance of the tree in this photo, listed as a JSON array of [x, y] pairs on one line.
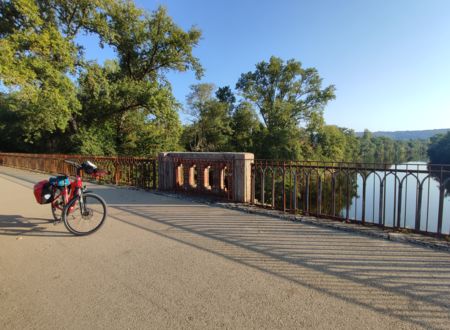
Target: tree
[[337, 144], [39, 58], [152, 110], [246, 128], [289, 99], [211, 130], [439, 149], [35, 61], [285, 93], [225, 95]]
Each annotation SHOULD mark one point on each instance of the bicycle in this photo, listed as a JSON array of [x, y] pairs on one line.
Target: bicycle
[[82, 211]]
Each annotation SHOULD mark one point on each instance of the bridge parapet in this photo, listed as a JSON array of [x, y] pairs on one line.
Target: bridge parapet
[[225, 174]]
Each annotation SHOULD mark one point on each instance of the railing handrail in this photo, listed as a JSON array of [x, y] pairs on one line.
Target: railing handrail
[[67, 156], [135, 171]]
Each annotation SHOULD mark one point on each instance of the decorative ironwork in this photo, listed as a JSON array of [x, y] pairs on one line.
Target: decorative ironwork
[[409, 196], [133, 171]]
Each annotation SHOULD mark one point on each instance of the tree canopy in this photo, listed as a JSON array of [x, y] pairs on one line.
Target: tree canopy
[[40, 59], [439, 149]]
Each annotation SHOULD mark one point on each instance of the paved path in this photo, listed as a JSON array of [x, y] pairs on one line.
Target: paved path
[[160, 262]]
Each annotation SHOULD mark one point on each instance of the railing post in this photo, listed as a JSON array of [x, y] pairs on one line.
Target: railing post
[[419, 208], [381, 210], [263, 186], [441, 207], [363, 215], [319, 194], [252, 201], [154, 174], [284, 187], [117, 173], [307, 193], [333, 193], [399, 208], [273, 187], [347, 204], [294, 192]]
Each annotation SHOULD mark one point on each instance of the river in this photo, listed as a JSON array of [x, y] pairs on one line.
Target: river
[[409, 196]]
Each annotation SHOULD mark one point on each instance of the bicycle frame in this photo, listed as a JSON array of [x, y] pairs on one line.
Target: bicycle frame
[[67, 193]]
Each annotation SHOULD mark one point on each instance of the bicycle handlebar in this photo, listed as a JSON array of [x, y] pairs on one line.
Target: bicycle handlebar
[[71, 162], [79, 167]]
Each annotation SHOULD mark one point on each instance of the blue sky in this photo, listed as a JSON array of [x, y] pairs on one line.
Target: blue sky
[[389, 60]]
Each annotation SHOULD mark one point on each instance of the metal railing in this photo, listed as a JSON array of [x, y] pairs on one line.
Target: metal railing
[[407, 196], [133, 171]]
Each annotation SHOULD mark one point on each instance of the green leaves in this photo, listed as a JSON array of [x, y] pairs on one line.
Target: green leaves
[[290, 101], [149, 45], [211, 128], [439, 149], [285, 93], [40, 62]]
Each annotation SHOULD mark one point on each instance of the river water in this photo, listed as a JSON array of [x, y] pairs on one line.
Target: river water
[[430, 200]]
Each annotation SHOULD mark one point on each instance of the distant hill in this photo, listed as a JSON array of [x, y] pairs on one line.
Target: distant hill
[[409, 135]]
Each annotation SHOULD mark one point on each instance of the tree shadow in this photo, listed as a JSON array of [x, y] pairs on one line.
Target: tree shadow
[[17, 225], [403, 281]]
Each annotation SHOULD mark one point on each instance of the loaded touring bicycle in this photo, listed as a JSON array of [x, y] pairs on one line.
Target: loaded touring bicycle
[[82, 211]]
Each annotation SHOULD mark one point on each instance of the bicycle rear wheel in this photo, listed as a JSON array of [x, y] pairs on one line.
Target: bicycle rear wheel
[[86, 217]]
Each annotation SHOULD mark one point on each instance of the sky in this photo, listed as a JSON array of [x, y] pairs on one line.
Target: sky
[[388, 59]]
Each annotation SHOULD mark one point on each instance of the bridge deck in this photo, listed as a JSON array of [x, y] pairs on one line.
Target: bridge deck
[[160, 262]]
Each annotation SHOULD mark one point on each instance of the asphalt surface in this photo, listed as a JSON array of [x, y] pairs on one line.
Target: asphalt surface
[[165, 263]]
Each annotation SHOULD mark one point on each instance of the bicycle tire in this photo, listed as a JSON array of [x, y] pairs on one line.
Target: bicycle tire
[[77, 221]]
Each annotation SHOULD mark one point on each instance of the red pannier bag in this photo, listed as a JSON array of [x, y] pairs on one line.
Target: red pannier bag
[[43, 192]]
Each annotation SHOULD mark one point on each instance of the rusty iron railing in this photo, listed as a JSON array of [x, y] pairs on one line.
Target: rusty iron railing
[[408, 196], [133, 171]]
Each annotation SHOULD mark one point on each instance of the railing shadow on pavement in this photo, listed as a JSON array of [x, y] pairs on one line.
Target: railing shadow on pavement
[[403, 281], [16, 225]]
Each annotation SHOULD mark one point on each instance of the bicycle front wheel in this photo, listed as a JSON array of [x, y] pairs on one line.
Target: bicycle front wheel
[[83, 217]]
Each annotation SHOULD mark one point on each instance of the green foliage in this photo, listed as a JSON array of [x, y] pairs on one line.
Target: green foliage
[[337, 144], [125, 106], [35, 60], [148, 45], [211, 129], [290, 100], [385, 150], [439, 149], [246, 129], [285, 93]]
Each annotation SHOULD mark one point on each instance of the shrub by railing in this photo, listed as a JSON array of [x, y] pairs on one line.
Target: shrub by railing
[[133, 171]]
